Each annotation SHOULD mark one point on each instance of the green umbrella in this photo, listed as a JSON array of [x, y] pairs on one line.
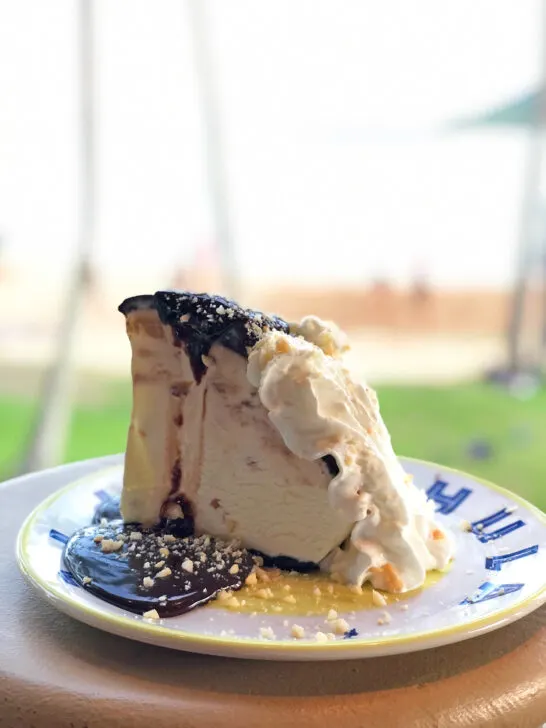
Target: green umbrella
[[523, 111], [526, 112]]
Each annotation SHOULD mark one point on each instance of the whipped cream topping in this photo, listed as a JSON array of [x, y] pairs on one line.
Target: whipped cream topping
[[320, 410]]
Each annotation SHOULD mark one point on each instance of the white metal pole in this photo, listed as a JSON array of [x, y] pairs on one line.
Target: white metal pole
[[48, 439], [214, 151]]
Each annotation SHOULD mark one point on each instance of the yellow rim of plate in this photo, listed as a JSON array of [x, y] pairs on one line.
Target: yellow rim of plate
[[471, 627]]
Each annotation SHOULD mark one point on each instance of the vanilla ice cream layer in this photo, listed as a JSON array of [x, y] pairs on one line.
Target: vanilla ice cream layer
[[204, 439], [319, 410]]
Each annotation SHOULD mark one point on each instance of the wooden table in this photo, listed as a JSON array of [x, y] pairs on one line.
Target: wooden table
[[57, 673]]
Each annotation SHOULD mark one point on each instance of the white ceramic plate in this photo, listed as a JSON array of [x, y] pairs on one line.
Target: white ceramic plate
[[498, 576]]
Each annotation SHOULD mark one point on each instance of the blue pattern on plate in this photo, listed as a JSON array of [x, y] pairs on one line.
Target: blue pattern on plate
[[58, 536], [446, 503]]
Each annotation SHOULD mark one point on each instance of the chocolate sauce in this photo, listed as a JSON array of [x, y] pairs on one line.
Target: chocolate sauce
[[199, 320], [199, 567], [109, 510]]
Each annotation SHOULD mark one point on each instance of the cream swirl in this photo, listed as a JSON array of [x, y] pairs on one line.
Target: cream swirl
[[320, 410]]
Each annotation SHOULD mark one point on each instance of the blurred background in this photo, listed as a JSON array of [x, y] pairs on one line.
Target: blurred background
[[379, 164]]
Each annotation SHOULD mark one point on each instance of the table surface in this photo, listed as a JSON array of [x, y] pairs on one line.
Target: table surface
[[57, 673]]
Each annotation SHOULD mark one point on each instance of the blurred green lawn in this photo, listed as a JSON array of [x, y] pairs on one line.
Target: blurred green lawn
[[442, 424]]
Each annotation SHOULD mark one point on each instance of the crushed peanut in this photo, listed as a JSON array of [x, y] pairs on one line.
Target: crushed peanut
[[261, 574], [148, 582], [164, 573], [108, 545], [267, 633], [264, 594], [187, 565], [151, 614], [173, 511], [297, 631], [224, 595], [340, 626], [232, 602], [378, 599], [234, 569]]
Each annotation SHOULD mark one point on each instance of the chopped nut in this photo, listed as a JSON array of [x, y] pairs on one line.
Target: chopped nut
[[261, 574], [223, 595], [202, 557], [87, 580], [321, 637], [151, 614], [378, 599], [289, 599], [146, 564], [232, 602], [234, 569], [184, 318], [159, 565], [135, 536], [251, 579], [164, 552], [264, 594], [108, 545], [297, 631], [169, 538], [173, 511], [187, 565], [340, 626], [164, 573], [98, 538], [466, 526], [147, 582], [267, 633], [332, 614]]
